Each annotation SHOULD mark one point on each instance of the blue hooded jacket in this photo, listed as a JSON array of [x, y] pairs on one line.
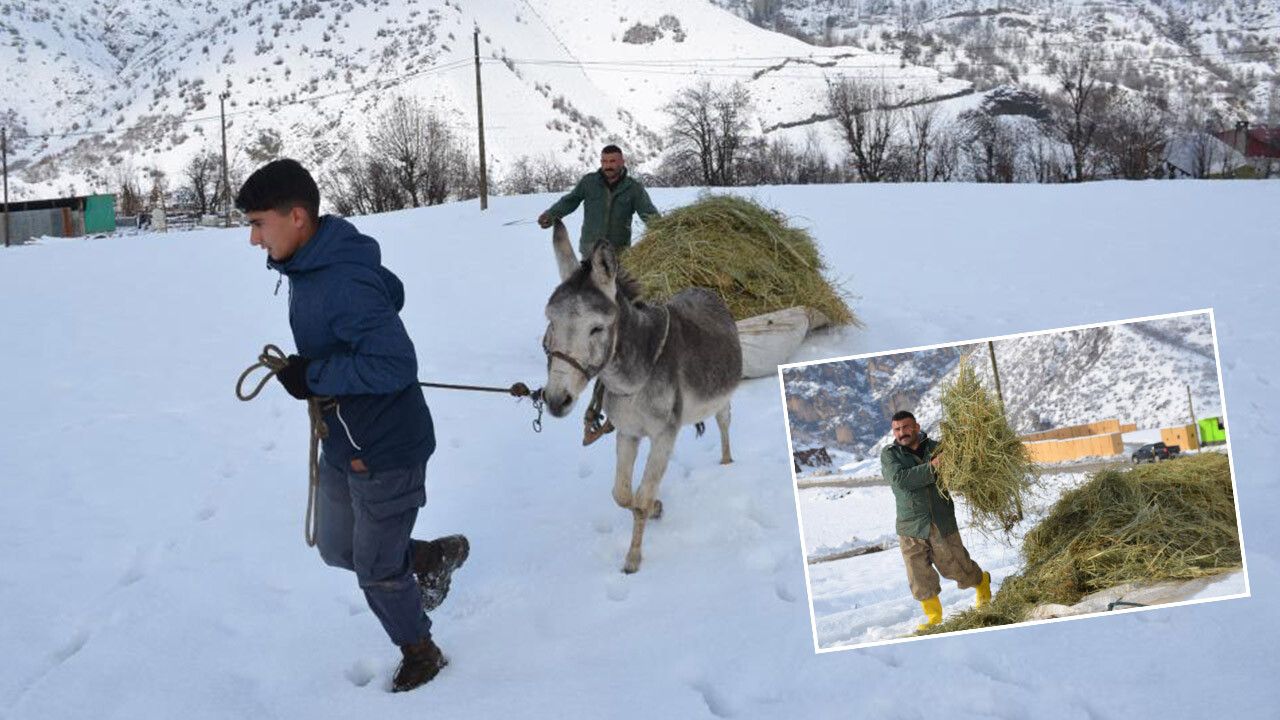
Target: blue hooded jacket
[[344, 311]]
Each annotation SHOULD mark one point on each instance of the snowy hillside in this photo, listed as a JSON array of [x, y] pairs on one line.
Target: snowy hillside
[[151, 528], [101, 91], [560, 78], [1222, 50]]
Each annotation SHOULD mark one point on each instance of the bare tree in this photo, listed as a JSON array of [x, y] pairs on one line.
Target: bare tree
[[708, 129], [1133, 137], [1079, 108], [990, 147], [867, 119], [945, 158], [362, 184], [921, 129], [130, 196], [400, 139], [203, 173]]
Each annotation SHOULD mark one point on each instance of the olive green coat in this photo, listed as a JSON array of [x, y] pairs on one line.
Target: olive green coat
[[915, 491], [608, 212]]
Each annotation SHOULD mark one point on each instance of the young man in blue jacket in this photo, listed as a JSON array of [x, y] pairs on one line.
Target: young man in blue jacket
[[354, 352]]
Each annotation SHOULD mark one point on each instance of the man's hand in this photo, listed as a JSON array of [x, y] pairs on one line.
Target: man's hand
[[545, 220], [934, 461], [293, 376]]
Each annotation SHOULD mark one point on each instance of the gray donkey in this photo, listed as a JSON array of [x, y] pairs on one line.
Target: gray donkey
[[662, 366]]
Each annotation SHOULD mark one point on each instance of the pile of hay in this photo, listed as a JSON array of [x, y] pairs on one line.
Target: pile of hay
[[741, 250], [982, 459], [1174, 520]]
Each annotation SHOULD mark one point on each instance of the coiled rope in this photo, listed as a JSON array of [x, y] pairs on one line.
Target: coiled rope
[[273, 359]]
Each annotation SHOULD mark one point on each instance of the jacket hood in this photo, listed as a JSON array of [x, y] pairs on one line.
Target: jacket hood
[[337, 242]]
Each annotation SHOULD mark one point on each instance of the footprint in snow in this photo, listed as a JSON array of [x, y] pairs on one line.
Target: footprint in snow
[[361, 673], [616, 589], [72, 646], [713, 697], [585, 470]]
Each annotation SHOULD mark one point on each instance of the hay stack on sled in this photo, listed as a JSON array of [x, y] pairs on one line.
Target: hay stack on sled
[[982, 459], [1151, 523], [769, 274]]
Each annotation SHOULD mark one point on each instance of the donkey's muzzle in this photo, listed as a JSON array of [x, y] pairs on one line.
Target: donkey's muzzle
[[559, 404]]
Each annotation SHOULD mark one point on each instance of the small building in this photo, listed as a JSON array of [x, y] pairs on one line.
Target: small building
[[1184, 436], [1253, 141], [1213, 431], [61, 217]]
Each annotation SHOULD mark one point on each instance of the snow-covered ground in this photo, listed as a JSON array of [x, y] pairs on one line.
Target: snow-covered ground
[[150, 529]]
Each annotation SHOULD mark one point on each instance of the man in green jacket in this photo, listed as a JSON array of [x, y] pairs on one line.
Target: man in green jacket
[[611, 198], [926, 527]]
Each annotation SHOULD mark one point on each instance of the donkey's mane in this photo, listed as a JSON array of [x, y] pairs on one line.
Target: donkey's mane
[[628, 286]]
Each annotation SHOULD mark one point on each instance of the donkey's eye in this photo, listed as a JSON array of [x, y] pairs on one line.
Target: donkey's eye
[[597, 330]]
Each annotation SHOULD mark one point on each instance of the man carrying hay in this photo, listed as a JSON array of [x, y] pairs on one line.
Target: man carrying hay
[[926, 521], [611, 197]]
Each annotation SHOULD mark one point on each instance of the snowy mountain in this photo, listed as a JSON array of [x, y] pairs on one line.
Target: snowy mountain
[[1223, 50], [102, 87], [1134, 372], [100, 91]]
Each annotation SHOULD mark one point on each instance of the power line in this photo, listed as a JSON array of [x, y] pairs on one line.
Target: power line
[[378, 84]]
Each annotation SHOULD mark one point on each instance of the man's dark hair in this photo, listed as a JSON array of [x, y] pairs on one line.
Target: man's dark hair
[[611, 150], [280, 185], [903, 415]]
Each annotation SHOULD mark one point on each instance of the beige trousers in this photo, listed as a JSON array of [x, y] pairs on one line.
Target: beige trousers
[[947, 554]]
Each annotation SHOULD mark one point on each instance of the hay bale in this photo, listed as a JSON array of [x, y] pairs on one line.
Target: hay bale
[[744, 252], [1168, 521], [982, 459]]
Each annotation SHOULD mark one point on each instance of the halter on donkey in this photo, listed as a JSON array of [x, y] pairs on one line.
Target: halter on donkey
[[662, 366]]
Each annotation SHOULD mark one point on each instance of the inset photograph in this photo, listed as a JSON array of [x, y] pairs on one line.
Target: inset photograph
[[1059, 474]]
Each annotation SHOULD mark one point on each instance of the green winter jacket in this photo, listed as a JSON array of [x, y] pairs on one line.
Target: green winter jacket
[[918, 500], [617, 205]]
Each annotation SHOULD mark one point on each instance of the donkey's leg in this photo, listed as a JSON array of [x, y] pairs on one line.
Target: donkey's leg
[[722, 419], [628, 446], [655, 467]]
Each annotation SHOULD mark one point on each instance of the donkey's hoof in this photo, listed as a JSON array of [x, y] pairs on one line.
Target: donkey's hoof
[[726, 461], [633, 563], [655, 512]]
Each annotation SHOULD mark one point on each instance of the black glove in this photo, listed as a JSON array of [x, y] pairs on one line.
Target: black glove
[[293, 376]]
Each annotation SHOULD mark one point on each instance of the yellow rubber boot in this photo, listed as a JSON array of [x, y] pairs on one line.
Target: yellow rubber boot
[[932, 610], [984, 590]]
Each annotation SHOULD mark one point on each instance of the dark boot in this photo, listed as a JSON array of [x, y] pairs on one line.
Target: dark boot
[[422, 661], [434, 563]]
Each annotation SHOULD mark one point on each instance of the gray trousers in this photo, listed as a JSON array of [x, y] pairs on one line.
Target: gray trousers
[[363, 522], [947, 554]]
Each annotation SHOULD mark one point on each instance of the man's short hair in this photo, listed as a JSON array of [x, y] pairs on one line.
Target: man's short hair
[[280, 185], [611, 150], [903, 415]]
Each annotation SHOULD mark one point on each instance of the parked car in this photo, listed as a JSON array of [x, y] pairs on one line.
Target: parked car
[[1154, 452]]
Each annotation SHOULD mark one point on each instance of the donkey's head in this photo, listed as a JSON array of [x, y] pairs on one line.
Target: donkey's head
[[582, 320]]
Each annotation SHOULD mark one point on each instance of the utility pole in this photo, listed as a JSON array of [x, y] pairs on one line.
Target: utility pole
[[994, 371], [1192, 408], [226, 177], [484, 179], [4, 155]]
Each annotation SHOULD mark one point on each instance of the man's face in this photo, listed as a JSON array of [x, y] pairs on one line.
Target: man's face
[[611, 164], [906, 432], [281, 233]]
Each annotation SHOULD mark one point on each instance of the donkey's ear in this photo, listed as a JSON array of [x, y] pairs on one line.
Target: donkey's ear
[[604, 269], [566, 260]]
